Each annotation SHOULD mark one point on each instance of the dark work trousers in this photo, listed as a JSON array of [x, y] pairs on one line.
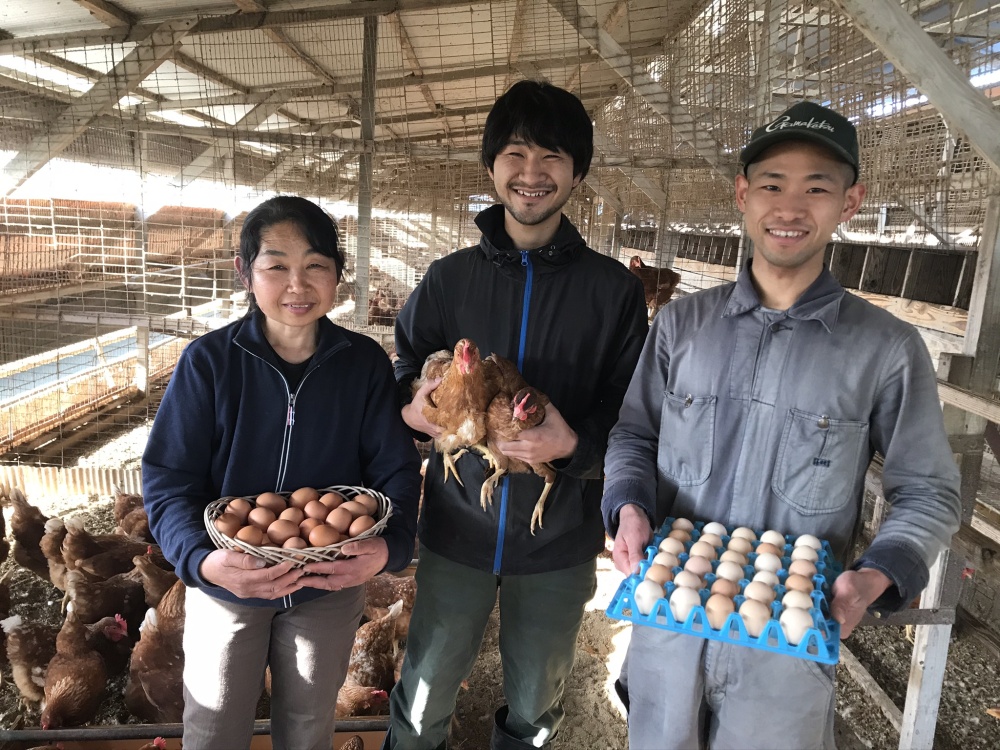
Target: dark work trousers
[[540, 617]]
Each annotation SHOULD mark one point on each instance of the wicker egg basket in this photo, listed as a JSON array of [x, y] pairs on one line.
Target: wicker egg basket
[[276, 555]]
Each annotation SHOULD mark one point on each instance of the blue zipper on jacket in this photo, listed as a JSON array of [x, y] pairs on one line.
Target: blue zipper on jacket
[[505, 482]]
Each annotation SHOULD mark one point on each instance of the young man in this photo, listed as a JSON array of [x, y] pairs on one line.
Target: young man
[[760, 403], [573, 321]]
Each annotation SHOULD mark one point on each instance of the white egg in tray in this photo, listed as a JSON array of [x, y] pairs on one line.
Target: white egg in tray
[[760, 589]]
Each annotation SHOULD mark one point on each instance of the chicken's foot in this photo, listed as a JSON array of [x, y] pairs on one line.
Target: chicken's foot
[[449, 465], [536, 514], [486, 492]]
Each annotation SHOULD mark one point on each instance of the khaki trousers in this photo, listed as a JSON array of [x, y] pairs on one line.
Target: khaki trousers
[[226, 648]]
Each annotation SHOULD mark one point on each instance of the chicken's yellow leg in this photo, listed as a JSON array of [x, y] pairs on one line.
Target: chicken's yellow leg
[[536, 514], [486, 492], [449, 465]]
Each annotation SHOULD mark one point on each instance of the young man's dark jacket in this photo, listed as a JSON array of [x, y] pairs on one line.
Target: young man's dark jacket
[[229, 426], [580, 319]]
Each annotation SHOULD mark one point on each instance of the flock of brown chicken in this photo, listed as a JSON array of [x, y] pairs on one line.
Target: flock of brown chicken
[[124, 609]]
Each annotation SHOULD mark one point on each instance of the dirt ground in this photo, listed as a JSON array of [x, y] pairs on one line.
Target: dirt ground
[[595, 719]]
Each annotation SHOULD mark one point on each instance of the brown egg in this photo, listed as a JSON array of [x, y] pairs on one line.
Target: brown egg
[[717, 609], [802, 568], [324, 535], [740, 545], [240, 507], [282, 530], [796, 582], [251, 535], [272, 501], [295, 542], [713, 539], [659, 573], [332, 500], [306, 527], [700, 566], [302, 497], [340, 519], [768, 547], [261, 518], [370, 503], [703, 549], [355, 508], [360, 525], [228, 524], [726, 588], [680, 535], [295, 515], [316, 509]]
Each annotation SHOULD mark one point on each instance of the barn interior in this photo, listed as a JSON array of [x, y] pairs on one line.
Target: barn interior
[[135, 135]]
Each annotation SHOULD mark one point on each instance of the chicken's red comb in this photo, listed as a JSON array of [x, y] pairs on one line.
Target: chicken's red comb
[[149, 549], [122, 624], [160, 743]]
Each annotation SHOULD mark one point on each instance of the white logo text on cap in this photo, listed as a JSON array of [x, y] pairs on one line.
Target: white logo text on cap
[[786, 122]]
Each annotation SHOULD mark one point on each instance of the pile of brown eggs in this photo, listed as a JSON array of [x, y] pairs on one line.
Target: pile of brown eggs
[[729, 564], [306, 519]]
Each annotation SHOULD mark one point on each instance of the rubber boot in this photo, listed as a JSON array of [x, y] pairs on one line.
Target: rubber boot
[[500, 740]]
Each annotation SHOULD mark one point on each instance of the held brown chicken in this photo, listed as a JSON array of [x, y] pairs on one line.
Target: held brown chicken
[[458, 405], [30, 647], [515, 408], [373, 654], [658, 284], [27, 526], [75, 679], [155, 691]]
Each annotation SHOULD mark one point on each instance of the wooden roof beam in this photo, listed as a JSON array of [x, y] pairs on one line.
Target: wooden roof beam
[[100, 99], [914, 53], [414, 66], [227, 23], [223, 147], [107, 13]]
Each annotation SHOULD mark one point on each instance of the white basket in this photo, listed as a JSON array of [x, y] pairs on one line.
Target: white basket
[[275, 555]]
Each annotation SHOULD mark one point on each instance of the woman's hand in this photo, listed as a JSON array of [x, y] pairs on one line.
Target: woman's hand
[[248, 577], [368, 557]]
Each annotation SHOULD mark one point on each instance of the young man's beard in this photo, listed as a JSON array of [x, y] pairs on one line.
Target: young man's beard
[[530, 219]]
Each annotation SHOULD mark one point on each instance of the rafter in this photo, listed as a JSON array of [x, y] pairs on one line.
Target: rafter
[[413, 65], [615, 15], [78, 116], [223, 147], [107, 13]]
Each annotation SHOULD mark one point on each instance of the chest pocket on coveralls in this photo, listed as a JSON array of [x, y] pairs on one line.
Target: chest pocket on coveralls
[[687, 438], [817, 461]]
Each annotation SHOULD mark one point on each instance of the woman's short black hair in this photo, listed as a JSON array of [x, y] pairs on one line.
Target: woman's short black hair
[[542, 114], [316, 224]]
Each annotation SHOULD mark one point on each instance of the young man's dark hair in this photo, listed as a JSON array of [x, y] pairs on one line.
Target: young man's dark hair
[[542, 114]]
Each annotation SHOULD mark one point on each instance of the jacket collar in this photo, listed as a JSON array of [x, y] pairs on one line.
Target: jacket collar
[[251, 337], [821, 301], [499, 248]]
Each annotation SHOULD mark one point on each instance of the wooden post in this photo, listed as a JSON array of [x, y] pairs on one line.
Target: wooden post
[[141, 377]]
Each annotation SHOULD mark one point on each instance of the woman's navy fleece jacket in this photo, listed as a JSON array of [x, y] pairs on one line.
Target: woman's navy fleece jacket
[[228, 425]]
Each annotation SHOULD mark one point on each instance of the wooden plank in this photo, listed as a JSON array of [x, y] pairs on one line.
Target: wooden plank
[[968, 401], [866, 682], [902, 40]]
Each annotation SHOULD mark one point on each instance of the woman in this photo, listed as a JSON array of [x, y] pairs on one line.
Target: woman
[[279, 400]]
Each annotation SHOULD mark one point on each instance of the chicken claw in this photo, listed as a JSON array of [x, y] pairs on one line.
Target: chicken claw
[[536, 514], [486, 493], [449, 465]]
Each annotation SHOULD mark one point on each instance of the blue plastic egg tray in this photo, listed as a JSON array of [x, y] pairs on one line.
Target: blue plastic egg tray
[[821, 643]]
